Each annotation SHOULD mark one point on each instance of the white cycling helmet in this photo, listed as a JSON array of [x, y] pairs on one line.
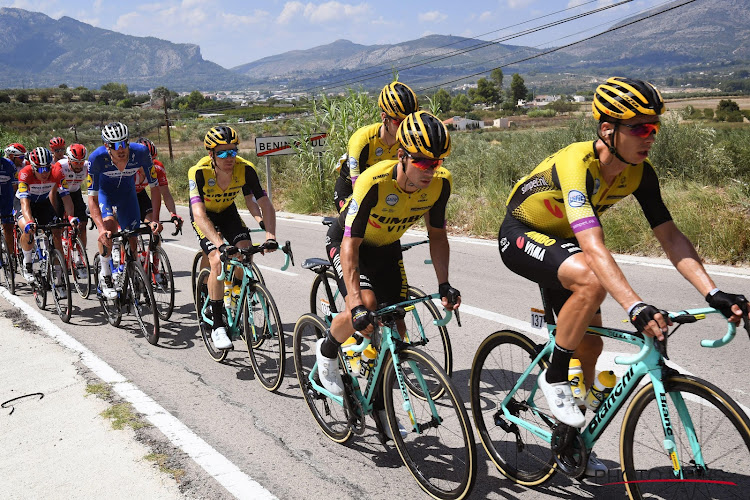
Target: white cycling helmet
[[114, 132]]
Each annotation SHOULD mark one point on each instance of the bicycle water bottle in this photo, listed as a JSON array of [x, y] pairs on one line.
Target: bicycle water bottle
[[116, 256], [367, 360], [601, 389], [575, 377], [352, 357], [236, 290], [227, 294]]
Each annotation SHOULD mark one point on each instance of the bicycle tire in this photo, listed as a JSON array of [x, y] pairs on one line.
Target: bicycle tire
[[429, 337], [330, 416], [141, 297], [111, 307], [268, 356], [82, 285], [195, 270], [39, 286], [443, 457], [201, 298], [164, 290], [320, 303], [63, 305], [9, 273], [499, 362], [725, 449], [257, 275]]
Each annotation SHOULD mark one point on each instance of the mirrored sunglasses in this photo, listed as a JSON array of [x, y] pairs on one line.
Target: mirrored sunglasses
[[642, 130], [42, 169], [227, 153], [425, 163], [118, 145]]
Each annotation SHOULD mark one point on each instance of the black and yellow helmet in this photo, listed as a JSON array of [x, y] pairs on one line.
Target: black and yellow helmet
[[623, 98], [424, 134], [220, 135], [398, 100]]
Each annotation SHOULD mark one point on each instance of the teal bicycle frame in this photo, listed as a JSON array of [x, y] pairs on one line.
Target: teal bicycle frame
[[648, 361], [389, 344]]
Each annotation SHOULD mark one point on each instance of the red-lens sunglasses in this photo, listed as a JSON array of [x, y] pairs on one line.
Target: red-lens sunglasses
[[425, 163], [642, 130]]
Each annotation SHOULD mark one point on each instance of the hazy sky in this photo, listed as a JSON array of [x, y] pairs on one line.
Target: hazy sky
[[234, 32]]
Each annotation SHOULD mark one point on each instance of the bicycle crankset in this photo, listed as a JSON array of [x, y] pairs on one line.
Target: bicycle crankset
[[355, 411], [570, 451]]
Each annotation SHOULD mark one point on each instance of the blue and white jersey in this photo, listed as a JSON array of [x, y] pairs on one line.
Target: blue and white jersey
[[106, 177], [7, 178]]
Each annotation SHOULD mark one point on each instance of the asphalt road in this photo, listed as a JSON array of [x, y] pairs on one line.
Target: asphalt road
[[273, 439]]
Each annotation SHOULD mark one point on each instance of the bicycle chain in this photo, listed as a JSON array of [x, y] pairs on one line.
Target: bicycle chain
[[353, 406]]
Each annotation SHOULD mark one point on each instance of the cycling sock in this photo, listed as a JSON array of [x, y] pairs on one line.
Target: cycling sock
[[217, 308], [330, 346], [557, 371], [105, 270], [27, 256]]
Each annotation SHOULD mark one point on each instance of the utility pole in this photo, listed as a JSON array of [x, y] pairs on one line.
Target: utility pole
[[169, 136]]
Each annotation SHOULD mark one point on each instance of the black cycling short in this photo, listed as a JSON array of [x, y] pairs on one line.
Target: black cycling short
[[79, 206], [536, 256], [42, 212], [342, 191], [228, 223], [381, 268], [145, 205]]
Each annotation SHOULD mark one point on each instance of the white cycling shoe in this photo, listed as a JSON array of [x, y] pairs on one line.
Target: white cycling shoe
[[595, 467], [387, 428], [561, 402], [28, 273], [220, 339], [328, 371], [108, 287]]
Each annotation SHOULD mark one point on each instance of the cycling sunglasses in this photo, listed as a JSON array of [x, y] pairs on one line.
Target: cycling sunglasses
[[42, 169], [643, 130], [118, 145], [425, 163], [227, 153]]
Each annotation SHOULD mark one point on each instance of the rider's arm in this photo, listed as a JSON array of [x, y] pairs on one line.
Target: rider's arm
[[350, 268], [253, 207], [155, 202], [252, 188], [94, 212], [68, 204], [683, 255], [269, 216], [168, 199], [26, 210], [204, 223]]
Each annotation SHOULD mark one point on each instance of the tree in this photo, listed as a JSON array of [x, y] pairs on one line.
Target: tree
[[115, 91], [486, 92], [443, 100], [461, 104], [497, 78], [86, 96], [195, 100], [518, 89], [22, 96], [728, 110]]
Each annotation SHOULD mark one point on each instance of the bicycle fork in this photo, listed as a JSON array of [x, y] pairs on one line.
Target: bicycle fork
[[435, 421]]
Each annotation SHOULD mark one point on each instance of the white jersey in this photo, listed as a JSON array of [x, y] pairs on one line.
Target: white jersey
[[73, 179]]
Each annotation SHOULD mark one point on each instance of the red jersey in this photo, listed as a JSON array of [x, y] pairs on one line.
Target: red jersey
[[161, 177], [29, 186]]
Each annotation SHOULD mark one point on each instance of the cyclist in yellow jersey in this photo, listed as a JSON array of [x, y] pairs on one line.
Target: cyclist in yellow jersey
[[214, 182], [376, 142], [552, 234], [364, 244]]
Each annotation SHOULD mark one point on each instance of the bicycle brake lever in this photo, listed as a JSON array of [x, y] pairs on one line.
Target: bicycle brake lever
[[661, 347], [458, 317]]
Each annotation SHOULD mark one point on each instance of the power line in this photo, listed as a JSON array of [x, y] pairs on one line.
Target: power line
[[560, 48], [369, 76]]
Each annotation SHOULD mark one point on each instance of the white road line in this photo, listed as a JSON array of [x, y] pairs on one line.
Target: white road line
[[267, 268], [214, 463]]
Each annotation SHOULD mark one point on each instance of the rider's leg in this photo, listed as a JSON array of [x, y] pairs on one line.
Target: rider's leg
[[105, 251], [216, 288], [588, 353]]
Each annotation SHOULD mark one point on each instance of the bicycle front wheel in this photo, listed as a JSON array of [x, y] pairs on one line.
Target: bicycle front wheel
[[499, 362], [256, 274], [144, 305], [330, 415], [9, 274], [79, 267], [321, 304], [716, 424], [57, 274], [264, 334], [111, 307], [441, 455], [162, 283], [201, 300], [40, 285], [197, 268]]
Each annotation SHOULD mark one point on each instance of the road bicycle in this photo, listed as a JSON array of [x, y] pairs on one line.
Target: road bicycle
[[50, 272], [7, 262], [326, 301], [200, 262], [158, 270], [437, 444], [76, 260], [681, 436], [134, 293], [253, 317]]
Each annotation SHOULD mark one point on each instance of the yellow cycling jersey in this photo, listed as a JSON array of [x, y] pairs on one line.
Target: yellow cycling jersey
[[380, 212], [204, 188], [566, 193], [365, 149]]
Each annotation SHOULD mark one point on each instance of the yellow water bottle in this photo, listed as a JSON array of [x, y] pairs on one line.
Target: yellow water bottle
[[235, 296], [575, 377], [351, 356], [601, 389], [367, 359], [227, 294]]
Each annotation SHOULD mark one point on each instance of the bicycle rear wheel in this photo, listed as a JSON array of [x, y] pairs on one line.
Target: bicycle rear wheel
[[111, 307], [40, 285], [79, 267], [197, 268], [442, 457], [201, 299], [9, 274], [57, 274], [162, 283], [330, 415], [264, 334], [144, 305], [320, 303], [720, 427], [498, 364]]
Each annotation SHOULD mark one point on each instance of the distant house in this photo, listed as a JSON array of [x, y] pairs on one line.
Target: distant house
[[579, 98], [459, 123]]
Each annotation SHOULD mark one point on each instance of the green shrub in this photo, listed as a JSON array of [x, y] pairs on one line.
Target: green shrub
[[541, 113]]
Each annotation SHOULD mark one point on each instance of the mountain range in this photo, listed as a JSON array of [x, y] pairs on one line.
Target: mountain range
[[42, 51]]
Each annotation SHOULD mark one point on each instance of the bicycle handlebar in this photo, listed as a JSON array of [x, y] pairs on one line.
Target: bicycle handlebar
[[177, 226], [682, 317], [245, 252]]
